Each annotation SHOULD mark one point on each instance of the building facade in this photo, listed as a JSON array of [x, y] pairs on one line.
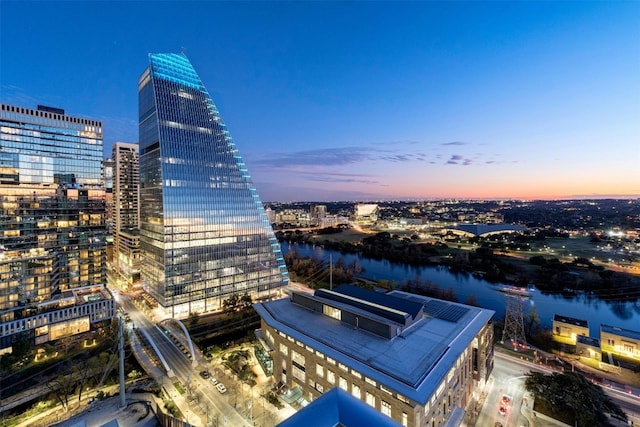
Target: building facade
[[620, 341], [52, 225], [417, 360], [204, 233], [566, 329], [126, 213]]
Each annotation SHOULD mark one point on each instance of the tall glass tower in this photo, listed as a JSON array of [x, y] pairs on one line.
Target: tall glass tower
[[204, 233]]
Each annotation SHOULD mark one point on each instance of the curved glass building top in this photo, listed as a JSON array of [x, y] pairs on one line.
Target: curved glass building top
[[204, 232]]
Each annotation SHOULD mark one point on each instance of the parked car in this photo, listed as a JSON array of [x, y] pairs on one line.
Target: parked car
[[205, 374], [213, 381], [221, 388], [503, 410]]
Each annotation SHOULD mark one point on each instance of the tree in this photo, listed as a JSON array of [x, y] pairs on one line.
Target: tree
[[571, 393], [531, 322], [62, 387]]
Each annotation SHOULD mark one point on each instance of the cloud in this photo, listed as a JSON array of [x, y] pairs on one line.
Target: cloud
[[341, 156], [321, 157], [457, 159], [458, 143], [329, 178]]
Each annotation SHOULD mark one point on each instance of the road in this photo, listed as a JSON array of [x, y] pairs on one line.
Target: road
[[210, 399], [508, 378]]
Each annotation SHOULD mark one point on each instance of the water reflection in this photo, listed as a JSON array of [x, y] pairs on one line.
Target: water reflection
[[624, 314]]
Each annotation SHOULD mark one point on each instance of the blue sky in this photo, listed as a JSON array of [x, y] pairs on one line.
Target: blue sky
[[364, 100]]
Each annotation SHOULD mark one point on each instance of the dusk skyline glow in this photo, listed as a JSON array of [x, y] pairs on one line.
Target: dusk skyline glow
[[364, 100]]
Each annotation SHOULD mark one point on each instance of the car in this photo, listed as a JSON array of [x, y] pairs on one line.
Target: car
[[502, 410], [213, 381], [221, 388], [506, 399], [205, 374]]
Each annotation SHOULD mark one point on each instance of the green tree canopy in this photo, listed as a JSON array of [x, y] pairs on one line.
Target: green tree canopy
[[572, 393]]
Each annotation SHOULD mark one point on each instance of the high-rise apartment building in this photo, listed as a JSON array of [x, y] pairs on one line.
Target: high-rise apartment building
[[126, 213], [52, 225], [204, 233]]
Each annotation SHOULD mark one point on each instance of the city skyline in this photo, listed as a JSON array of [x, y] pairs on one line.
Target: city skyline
[[365, 101]]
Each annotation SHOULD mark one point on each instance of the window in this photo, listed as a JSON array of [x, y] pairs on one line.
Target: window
[[386, 390], [284, 349], [370, 381], [371, 399], [332, 312], [385, 408], [342, 383], [343, 367], [298, 373], [331, 377], [405, 419], [297, 357], [610, 341], [355, 391], [319, 370]]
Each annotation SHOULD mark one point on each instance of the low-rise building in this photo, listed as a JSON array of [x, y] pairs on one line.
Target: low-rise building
[[623, 342], [588, 347], [566, 329], [416, 359]]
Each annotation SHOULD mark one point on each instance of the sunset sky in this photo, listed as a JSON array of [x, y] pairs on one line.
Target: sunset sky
[[364, 100]]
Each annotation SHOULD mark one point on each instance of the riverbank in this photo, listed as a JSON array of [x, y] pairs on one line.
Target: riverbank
[[558, 266]]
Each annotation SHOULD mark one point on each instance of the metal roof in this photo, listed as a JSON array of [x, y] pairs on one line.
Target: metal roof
[[413, 363]]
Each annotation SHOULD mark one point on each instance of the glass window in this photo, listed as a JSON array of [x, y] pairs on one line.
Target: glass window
[[331, 377], [385, 408]]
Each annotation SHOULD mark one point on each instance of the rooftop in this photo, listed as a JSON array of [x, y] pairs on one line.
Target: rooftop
[[413, 363], [627, 333], [570, 320], [338, 408]]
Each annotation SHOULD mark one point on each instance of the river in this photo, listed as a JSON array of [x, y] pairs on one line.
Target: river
[[623, 314]]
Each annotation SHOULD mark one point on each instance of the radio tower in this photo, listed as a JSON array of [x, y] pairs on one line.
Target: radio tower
[[514, 320]]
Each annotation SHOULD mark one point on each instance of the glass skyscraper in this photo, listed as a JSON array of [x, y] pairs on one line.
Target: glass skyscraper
[[52, 225], [204, 233]]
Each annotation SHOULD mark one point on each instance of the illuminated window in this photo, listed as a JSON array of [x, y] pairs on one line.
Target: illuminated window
[[332, 312], [355, 391], [331, 377], [371, 400], [385, 408]]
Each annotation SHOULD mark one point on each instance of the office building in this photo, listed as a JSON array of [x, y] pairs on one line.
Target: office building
[[418, 360], [204, 233], [126, 213], [52, 225]]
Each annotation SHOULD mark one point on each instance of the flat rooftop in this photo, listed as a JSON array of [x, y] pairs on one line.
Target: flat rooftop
[[627, 333], [413, 363], [570, 320]]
